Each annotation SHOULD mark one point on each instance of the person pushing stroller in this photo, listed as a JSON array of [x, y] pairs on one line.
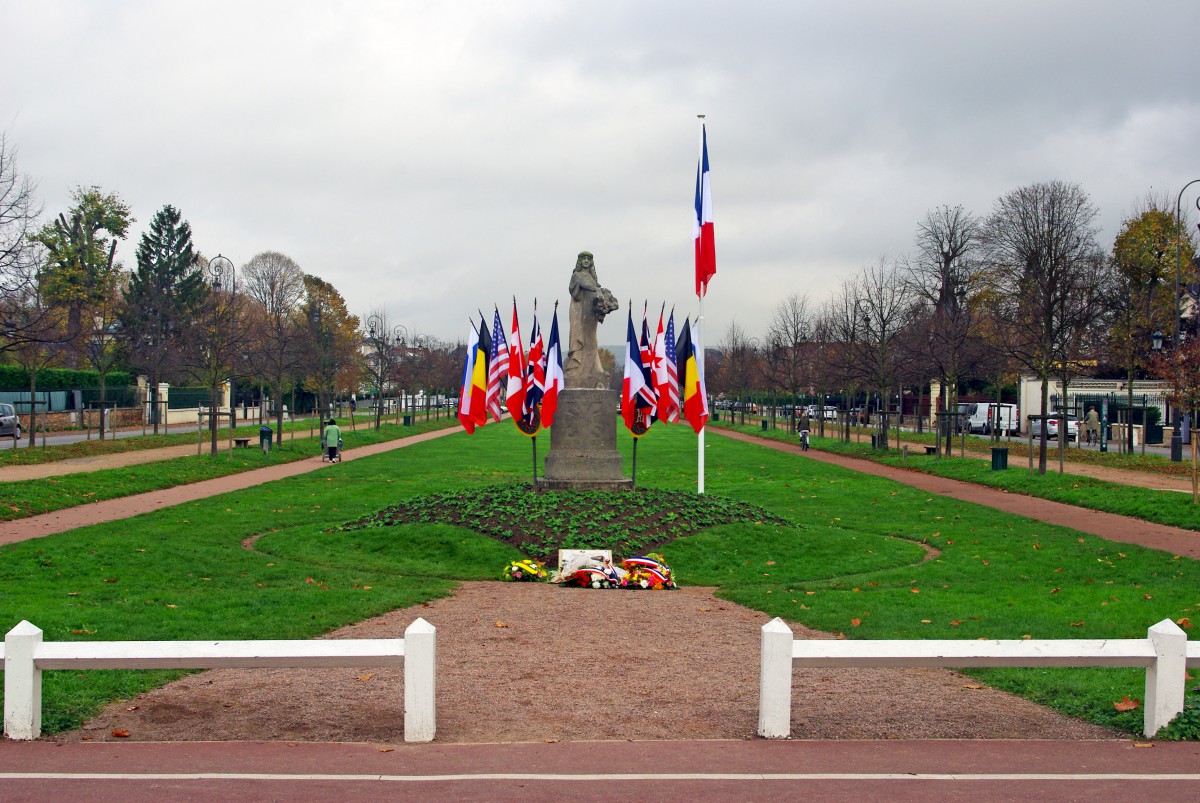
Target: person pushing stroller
[[331, 442]]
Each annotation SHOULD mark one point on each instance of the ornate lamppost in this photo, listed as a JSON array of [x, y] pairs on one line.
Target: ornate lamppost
[[219, 267], [1176, 436]]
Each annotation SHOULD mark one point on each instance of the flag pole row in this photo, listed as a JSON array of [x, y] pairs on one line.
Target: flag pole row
[[496, 360]]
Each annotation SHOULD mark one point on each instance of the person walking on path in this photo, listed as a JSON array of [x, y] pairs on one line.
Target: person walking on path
[[331, 439], [1092, 422]]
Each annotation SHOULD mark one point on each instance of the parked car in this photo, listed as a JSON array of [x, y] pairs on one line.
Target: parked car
[[983, 417], [1035, 427], [10, 424]]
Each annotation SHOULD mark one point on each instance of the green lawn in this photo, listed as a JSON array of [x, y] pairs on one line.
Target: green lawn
[[904, 563], [1160, 506]]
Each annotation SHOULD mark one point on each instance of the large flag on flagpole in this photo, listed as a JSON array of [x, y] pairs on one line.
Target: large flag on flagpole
[[464, 395], [702, 226], [498, 366], [516, 369], [554, 381], [666, 372]]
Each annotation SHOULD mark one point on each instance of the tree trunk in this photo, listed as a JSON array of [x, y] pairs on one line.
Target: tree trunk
[[1042, 435], [32, 407]]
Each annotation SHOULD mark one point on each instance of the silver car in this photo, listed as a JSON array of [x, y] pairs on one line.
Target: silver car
[[10, 424], [1035, 427]]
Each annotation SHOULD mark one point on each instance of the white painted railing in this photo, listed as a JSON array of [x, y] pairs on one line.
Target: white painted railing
[[25, 655], [1165, 653]]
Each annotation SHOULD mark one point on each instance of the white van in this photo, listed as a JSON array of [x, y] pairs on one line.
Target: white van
[[985, 418]]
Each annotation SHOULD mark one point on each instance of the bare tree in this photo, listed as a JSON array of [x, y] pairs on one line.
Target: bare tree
[[22, 313], [886, 309], [788, 355], [739, 364], [276, 282], [214, 338], [943, 275], [1041, 245]]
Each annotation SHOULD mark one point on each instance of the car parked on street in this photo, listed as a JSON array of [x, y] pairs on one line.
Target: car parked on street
[[10, 424], [1052, 424]]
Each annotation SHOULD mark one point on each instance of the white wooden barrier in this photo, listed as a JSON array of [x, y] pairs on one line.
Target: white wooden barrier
[[1165, 653], [25, 655]]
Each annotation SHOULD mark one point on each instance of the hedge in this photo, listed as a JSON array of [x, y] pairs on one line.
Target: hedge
[[13, 377]]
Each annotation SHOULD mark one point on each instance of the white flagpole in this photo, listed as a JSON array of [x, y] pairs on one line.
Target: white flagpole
[[700, 439], [700, 343]]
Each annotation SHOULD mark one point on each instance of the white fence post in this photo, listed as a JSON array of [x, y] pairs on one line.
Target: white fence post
[[775, 681], [1165, 678], [22, 683], [420, 705]]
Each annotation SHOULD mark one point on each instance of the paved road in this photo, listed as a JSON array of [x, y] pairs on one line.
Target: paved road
[[683, 770]]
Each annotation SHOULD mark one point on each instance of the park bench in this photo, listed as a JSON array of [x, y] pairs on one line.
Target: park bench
[[241, 443], [25, 656], [931, 450]]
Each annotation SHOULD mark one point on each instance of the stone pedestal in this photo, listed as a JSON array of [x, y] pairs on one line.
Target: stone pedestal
[[583, 443]]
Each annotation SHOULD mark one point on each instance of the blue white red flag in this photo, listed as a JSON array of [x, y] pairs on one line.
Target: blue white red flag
[[633, 387], [465, 393], [554, 381], [535, 369], [702, 225], [646, 352]]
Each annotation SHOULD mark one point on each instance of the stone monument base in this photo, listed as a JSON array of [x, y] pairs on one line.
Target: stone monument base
[[583, 443]]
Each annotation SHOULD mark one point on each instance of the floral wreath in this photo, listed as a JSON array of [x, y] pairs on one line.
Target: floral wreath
[[647, 572], [524, 570]]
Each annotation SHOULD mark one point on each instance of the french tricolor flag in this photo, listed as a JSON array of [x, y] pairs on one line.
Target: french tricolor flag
[[702, 226]]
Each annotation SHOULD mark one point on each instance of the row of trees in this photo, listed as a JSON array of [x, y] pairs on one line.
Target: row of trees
[[1026, 288], [179, 316]]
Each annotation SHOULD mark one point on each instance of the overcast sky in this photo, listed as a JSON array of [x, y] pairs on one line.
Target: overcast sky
[[430, 158]]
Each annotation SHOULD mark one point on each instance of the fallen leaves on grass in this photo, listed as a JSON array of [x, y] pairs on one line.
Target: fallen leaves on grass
[[1126, 704], [121, 734]]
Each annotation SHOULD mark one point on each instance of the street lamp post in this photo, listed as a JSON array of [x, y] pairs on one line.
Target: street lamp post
[[400, 339], [1176, 436], [218, 266], [375, 324]]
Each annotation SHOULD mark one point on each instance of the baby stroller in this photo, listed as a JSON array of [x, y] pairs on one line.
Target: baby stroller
[[331, 453]]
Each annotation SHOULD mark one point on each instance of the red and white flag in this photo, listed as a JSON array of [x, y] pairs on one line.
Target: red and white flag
[[702, 226], [516, 369], [666, 374]]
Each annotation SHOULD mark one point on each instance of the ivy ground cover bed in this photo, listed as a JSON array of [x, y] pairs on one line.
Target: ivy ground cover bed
[[856, 555]]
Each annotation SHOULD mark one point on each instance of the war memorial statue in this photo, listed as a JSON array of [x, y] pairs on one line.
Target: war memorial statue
[[590, 303], [583, 441]]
